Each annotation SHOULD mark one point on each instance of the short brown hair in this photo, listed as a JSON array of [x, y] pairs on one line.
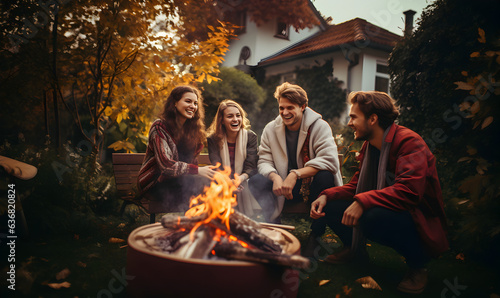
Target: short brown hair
[[378, 103], [293, 93]]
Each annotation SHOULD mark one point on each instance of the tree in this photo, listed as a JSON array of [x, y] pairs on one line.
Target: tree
[[426, 68], [238, 86], [117, 60], [323, 90]]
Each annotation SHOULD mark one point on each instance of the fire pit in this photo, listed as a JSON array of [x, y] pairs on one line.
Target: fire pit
[[206, 252], [157, 274]]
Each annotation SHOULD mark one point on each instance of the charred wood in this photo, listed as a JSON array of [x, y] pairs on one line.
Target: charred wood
[[233, 250]]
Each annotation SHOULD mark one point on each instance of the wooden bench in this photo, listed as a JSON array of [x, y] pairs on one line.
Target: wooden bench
[[126, 167]]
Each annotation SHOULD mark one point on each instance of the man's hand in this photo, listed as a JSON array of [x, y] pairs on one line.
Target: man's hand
[[288, 185], [352, 214], [277, 184], [317, 207]]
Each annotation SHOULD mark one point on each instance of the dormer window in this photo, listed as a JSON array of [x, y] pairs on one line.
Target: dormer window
[[282, 30]]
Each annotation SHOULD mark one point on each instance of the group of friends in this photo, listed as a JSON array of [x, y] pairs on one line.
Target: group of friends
[[394, 198]]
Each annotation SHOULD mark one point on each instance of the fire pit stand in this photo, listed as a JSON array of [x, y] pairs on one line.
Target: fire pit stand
[[158, 274]]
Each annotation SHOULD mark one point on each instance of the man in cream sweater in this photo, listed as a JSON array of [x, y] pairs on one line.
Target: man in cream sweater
[[298, 157]]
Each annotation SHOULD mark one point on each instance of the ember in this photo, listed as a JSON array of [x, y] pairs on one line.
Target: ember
[[211, 228]]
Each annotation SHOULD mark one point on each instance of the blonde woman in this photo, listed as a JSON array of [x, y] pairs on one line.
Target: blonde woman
[[232, 144]]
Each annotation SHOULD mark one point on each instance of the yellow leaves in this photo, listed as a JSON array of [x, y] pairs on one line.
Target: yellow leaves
[[201, 78], [324, 282], [122, 145], [475, 54], [482, 37], [108, 111], [368, 283]]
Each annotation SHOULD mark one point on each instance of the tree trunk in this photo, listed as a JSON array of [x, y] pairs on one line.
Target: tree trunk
[[55, 84]]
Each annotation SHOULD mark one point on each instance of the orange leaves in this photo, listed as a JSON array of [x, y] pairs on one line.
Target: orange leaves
[[368, 283], [482, 37], [115, 240], [58, 286]]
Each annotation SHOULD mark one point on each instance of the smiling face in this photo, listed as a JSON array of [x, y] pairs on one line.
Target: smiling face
[[187, 105], [363, 131], [232, 119], [291, 113]]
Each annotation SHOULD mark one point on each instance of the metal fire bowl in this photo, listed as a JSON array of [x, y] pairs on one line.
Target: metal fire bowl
[[156, 274]]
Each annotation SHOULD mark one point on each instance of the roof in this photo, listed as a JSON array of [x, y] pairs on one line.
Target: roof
[[357, 32]]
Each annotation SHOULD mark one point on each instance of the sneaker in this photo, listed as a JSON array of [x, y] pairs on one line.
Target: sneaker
[[346, 256], [414, 281]]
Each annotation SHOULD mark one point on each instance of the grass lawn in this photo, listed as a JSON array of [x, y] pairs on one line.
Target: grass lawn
[[89, 265]]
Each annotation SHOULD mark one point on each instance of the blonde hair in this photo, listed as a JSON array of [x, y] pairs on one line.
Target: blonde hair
[[293, 93], [217, 130]]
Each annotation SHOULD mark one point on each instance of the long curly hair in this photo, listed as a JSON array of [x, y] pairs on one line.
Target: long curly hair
[[192, 134], [217, 130]]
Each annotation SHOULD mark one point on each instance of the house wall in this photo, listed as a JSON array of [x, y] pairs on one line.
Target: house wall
[[261, 41], [362, 77]]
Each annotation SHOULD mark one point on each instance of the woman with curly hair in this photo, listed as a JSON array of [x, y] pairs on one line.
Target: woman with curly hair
[[170, 167], [232, 144]]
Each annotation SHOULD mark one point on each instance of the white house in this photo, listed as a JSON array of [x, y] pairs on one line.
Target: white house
[[359, 49], [254, 42]]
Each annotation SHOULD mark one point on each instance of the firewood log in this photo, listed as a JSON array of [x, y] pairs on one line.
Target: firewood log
[[232, 250], [240, 225]]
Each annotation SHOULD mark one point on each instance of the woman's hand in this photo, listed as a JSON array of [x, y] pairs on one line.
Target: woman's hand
[[206, 171]]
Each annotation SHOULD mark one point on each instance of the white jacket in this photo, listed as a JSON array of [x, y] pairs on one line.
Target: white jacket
[[322, 148]]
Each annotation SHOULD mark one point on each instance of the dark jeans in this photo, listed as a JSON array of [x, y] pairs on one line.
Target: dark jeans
[[395, 229], [262, 189]]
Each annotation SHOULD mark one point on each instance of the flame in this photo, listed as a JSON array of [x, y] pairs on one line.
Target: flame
[[216, 201]]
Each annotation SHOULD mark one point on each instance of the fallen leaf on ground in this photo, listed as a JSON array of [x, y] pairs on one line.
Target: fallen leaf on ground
[[123, 246], [57, 286], [347, 290], [115, 240], [81, 264], [63, 274], [460, 256], [323, 282], [368, 244], [122, 225], [368, 283]]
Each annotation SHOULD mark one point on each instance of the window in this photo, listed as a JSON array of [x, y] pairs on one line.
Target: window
[[282, 30], [382, 77], [239, 19]]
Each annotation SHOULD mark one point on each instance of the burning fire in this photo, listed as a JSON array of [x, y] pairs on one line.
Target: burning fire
[[217, 200]]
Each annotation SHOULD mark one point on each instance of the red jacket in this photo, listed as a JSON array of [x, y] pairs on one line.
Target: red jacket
[[415, 187]]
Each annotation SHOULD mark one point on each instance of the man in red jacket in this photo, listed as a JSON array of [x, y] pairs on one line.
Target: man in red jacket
[[394, 199]]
